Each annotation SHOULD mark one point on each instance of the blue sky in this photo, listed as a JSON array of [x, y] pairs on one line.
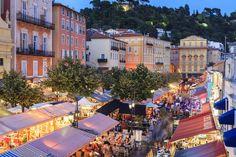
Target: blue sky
[[227, 6]]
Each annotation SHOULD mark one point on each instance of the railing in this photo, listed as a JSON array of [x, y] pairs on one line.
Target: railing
[[122, 61], [36, 21], [123, 48], [114, 48], [159, 63], [33, 52], [149, 44], [102, 60]]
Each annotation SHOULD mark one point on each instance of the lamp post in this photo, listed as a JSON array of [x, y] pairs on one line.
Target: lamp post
[[152, 91], [132, 110]]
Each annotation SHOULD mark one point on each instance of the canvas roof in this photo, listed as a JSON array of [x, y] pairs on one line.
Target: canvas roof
[[199, 124]]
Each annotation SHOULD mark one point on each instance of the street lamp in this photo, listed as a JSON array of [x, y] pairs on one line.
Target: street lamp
[[152, 91], [132, 109]]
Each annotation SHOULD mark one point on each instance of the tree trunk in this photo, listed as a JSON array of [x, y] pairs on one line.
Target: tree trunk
[[22, 109]]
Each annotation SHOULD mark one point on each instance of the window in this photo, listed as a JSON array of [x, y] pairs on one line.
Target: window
[[44, 44], [24, 42], [68, 13], [77, 17], [35, 42], [63, 38], [1, 62], [45, 14], [130, 49], [72, 26], [63, 11], [72, 15], [76, 42], [77, 28], [24, 67], [67, 25], [35, 11], [24, 7], [63, 23], [68, 40], [45, 68], [63, 54], [83, 43], [72, 41], [102, 56], [35, 68], [201, 44]]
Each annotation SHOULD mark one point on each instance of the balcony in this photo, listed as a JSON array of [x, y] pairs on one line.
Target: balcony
[[114, 48], [32, 52], [122, 61], [123, 48], [159, 63], [149, 44], [102, 60], [35, 21]]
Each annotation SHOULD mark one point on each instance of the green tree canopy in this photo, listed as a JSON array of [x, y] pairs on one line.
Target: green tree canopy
[[15, 90], [72, 77]]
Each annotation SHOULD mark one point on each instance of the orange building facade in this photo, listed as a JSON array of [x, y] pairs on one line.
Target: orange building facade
[[33, 36], [69, 36]]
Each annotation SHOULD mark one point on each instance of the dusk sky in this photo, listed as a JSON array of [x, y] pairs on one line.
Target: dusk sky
[[227, 6]]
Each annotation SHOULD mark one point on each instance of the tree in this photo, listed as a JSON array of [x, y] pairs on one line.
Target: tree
[[15, 90], [31, 96], [137, 84], [74, 78]]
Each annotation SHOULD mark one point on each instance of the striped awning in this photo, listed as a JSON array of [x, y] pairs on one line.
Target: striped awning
[[9, 154]]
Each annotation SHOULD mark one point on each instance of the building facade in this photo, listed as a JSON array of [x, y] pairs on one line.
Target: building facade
[[152, 52], [232, 47], [174, 58], [193, 56], [69, 36], [6, 44], [213, 56], [31, 24], [104, 52]]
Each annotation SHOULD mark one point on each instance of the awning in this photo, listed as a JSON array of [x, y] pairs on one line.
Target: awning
[[212, 149], [102, 97], [227, 117], [151, 105], [230, 138], [205, 108], [200, 92], [34, 117], [65, 141], [123, 108], [109, 107], [84, 102], [98, 123], [189, 127], [221, 105]]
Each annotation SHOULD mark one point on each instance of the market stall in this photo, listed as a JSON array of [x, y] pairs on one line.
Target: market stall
[[194, 131], [213, 149], [87, 108], [18, 129], [67, 141]]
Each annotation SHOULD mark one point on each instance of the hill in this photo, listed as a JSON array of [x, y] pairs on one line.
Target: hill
[[145, 18]]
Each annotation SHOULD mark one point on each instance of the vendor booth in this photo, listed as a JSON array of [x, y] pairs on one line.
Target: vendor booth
[[87, 108], [213, 149], [67, 141], [194, 131], [18, 129]]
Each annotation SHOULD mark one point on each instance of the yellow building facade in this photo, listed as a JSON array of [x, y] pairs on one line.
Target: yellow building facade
[[152, 52], [193, 56], [5, 47]]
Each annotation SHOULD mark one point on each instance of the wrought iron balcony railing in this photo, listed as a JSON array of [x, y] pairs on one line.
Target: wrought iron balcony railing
[[34, 52], [36, 21]]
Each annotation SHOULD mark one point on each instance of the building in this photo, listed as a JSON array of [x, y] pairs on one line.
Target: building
[[174, 58], [232, 47], [31, 24], [152, 52], [227, 107], [5, 45], [105, 52], [214, 53], [69, 36], [193, 56]]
